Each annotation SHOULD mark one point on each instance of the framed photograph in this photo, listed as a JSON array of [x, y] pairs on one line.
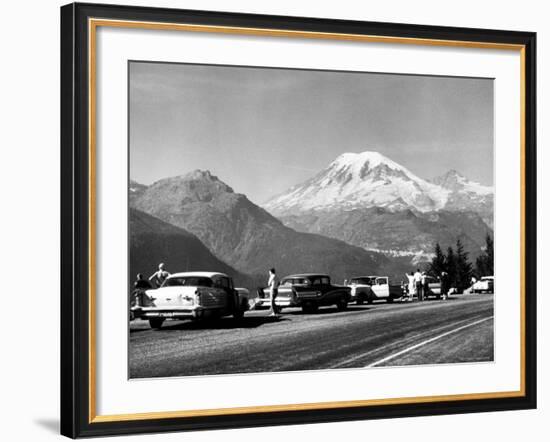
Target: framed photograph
[[274, 220]]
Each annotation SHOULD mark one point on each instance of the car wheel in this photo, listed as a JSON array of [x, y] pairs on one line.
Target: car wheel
[[342, 304], [370, 299], [156, 323], [238, 314], [389, 300], [359, 300]]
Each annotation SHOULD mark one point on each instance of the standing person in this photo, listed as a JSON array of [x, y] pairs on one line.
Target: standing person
[[159, 276], [411, 288], [425, 285], [273, 284], [418, 284], [444, 284], [141, 283]]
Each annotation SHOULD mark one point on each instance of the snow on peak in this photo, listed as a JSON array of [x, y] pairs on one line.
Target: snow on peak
[[456, 182], [360, 180], [370, 157]]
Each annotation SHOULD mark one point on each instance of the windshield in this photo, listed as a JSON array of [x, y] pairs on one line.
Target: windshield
[[194, 281]]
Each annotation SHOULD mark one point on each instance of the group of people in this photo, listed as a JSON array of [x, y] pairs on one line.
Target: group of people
[[418, 285], [154, 281]]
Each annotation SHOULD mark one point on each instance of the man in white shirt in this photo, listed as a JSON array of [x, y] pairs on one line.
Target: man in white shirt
[[273, 284], [418, 283]]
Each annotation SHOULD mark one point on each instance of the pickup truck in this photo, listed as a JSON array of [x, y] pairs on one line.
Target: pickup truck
[[308, 291], [485, 285], [194, 295]]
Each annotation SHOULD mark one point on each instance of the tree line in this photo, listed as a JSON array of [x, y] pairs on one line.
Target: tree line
[[456, 263]]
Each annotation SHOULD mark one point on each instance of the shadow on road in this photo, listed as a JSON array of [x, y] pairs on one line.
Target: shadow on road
[[328, 311], [216, 324]]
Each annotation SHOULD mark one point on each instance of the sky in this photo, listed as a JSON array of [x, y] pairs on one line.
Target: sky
[[264, 130]]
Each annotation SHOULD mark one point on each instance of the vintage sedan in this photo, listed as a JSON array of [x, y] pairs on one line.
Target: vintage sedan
[[485, 285], [195, 295], [308, 291]]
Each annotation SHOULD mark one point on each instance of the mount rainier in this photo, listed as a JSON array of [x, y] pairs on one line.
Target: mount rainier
[[369, 179], [369, 200]]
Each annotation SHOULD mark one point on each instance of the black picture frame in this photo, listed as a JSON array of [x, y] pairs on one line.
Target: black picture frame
[[75, 220]]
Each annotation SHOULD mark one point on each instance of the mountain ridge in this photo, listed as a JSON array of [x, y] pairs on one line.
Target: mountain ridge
[[246, 236]]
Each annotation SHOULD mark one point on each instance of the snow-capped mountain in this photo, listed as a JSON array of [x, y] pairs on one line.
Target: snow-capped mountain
[[467, 195], [361, 180], [369, 179], [368, 200]]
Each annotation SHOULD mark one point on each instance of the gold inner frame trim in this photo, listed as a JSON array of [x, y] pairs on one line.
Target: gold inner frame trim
[[93, 24]]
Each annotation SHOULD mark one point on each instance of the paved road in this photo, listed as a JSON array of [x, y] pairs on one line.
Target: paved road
[[457, 330]]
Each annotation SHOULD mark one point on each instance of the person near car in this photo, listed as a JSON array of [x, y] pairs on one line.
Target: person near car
[[444, 284], [273, 284], [411, 287], [425, 285], [159, 276], [418, 284], [140, 285]]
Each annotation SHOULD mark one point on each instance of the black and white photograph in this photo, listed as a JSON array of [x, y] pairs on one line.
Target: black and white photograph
[[291, 219]]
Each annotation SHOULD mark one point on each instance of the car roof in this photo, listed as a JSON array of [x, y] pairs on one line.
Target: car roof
[[199, 274], [307, 275], [366, 276]]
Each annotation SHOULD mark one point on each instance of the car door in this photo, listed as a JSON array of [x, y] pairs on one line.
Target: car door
[[381, 287], [323, 285]]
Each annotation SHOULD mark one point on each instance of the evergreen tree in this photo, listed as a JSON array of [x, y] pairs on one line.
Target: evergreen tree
[[438, 263], [450, 262], [463, 268], [485, 263], [481, 266], [490, 255]]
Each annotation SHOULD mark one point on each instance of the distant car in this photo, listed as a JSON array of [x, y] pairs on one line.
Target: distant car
[[194, 295], [308, 291], [485, 285]]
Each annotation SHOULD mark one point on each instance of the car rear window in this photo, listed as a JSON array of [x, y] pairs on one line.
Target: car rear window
[[188, 281], [294, 281]]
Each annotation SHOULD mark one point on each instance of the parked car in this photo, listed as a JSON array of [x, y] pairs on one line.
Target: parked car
[[434, 287], [194, 295], [308, 291], [361, 289], [382, 289], [485, 285]]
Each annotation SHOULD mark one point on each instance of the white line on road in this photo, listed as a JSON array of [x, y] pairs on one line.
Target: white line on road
[[392, 344], [428, 341]]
